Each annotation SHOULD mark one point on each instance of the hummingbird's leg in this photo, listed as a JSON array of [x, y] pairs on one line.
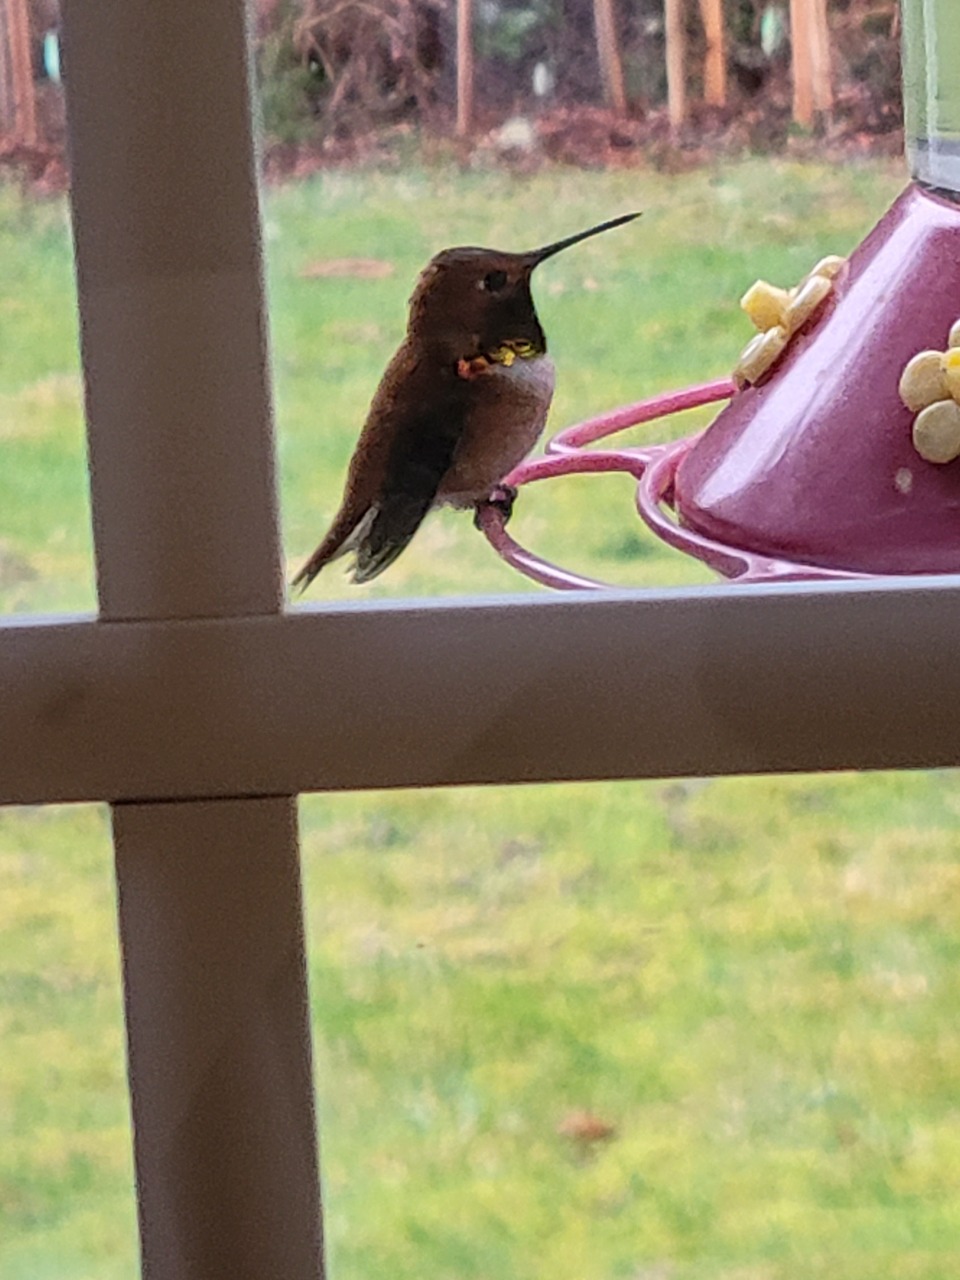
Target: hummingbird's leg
[[501, 498]]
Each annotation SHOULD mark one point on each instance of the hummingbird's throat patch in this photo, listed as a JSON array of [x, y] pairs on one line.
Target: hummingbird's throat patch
[[505, 354]]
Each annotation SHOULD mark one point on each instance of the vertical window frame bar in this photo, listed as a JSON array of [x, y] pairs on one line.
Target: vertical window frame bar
[[180, 438]]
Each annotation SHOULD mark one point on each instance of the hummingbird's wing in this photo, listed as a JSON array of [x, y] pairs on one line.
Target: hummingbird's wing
[[406, 447], [420, 457]]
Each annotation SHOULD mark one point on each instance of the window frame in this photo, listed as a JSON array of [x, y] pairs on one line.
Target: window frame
[[199, 708]]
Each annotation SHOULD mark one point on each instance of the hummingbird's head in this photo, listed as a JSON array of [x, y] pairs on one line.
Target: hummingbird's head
[[468, 301]]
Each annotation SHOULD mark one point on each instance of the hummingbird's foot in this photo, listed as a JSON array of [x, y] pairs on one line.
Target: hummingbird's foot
[[501, 499]]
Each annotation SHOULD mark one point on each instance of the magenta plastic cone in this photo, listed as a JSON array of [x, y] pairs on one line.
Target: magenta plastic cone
[[816, 463]]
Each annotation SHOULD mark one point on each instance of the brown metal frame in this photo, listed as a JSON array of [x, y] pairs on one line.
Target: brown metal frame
[[199, 709]]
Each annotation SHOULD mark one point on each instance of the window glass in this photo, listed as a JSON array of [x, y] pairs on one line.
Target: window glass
[[643, 309], [46, 558], [670, 1029], [66, 1164]]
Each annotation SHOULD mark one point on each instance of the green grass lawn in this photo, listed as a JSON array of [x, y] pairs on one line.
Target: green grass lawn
[[751, 983]]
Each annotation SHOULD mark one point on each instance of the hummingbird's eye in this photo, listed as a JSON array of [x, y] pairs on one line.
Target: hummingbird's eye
[[494, 281]]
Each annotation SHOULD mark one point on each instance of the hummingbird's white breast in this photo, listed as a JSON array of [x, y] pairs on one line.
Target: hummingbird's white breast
[[510, 411]]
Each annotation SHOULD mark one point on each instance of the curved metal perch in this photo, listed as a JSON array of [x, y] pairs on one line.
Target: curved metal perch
[[654, 468]]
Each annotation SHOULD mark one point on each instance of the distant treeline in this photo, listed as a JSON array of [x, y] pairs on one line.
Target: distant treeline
[[331, 70], [464, 65]]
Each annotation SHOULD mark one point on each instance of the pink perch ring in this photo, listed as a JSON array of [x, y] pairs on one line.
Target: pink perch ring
[[655, 468]]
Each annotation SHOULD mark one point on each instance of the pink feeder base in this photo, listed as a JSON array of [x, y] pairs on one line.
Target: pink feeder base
[[812, 473], [654, 467]]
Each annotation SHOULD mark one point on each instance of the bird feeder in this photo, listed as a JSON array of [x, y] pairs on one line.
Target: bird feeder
[[838, 452]]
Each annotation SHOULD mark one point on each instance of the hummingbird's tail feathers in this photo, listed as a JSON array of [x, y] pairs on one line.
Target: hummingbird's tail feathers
[[369, 566], [376, 538], [396, 519], [343, 536]]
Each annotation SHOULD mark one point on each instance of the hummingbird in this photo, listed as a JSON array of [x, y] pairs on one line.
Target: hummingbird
[[462, 402]]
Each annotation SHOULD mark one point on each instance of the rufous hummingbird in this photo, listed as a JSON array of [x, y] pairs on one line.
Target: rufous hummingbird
[[462, 402]]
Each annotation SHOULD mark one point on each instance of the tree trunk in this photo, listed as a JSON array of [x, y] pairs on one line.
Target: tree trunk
[[810, 51], [18, 108], [7, 96], [715, 63], [822, 83], [608, 52], [676, 41], [464, 67]]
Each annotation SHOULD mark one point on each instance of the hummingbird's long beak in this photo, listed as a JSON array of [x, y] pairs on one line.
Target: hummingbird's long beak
[[536, 256]]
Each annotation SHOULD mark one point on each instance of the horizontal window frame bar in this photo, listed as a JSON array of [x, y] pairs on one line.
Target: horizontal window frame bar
[[778, 678]]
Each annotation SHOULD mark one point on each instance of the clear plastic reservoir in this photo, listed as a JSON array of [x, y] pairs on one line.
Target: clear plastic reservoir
[[931, 91]]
